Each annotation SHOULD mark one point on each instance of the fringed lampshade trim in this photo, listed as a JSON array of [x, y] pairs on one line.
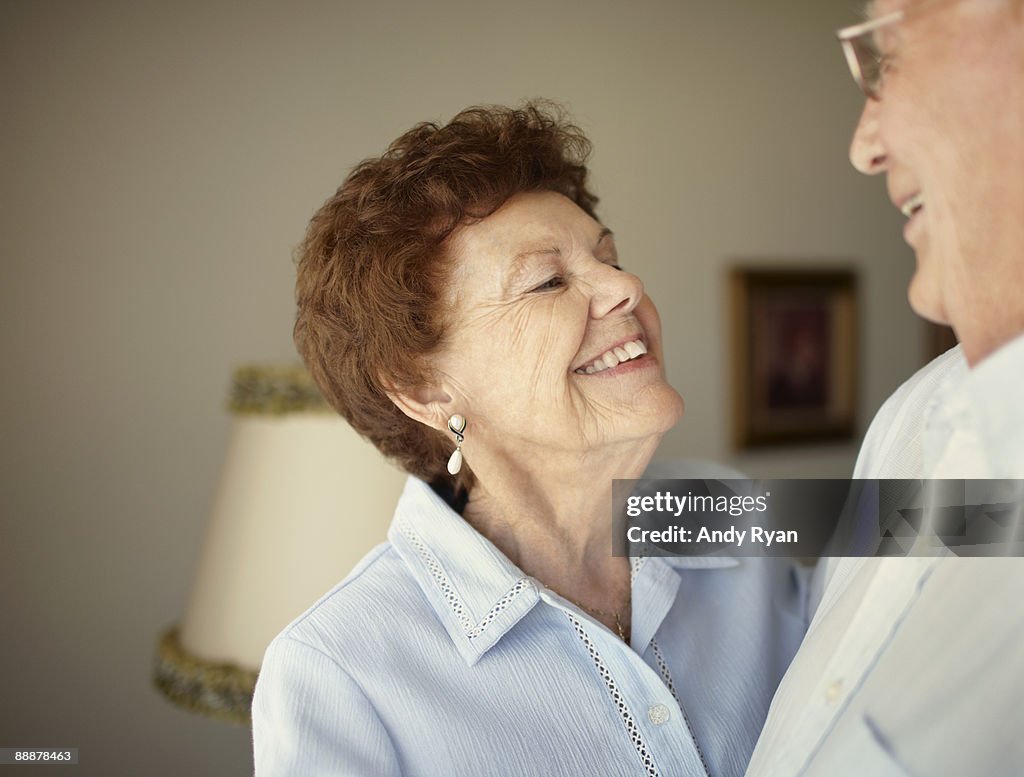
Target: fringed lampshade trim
[[222, 691]]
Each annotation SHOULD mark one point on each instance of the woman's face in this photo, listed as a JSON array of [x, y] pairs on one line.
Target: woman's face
[[551, 346]]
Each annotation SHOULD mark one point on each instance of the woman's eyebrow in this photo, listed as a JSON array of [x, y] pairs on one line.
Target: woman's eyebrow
[[546, 251], [520, 262]]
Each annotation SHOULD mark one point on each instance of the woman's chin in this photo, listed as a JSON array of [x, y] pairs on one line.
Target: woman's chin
[[675, 408], [661, 409]]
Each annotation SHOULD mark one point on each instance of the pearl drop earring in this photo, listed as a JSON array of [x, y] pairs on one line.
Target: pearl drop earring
[[457, 425]]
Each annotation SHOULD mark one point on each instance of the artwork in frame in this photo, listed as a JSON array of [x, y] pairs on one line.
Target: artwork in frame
[[938, 340], [794, 354]]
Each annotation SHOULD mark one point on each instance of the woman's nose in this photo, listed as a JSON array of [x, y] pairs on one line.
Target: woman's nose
[[615, 291], [867, 153]]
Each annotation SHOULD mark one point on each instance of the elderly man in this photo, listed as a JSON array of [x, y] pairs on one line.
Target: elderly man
[[915, 666]]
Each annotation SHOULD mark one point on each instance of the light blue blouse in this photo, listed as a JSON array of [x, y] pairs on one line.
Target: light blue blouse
[[437, 656]]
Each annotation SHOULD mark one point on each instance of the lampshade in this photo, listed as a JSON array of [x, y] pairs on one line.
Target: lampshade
[[301, 499]]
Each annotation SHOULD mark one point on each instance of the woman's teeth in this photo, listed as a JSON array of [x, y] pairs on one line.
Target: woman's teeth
[[614, 357]]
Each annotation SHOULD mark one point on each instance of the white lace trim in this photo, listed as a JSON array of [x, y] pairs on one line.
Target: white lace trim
[[627, 717], [666, 677], [454, 601]]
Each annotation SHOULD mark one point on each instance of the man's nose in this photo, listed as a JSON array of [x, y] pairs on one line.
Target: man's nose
[[866, 151]]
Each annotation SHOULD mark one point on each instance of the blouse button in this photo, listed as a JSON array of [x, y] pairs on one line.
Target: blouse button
[[658, 714], [833, 691]]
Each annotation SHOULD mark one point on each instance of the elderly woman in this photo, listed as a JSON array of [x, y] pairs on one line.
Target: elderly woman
[[462, 306]]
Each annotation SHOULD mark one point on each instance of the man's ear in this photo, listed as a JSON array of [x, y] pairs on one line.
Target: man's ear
[[427, 404]]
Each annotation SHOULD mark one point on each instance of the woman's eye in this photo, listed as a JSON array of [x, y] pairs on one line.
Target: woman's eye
[[552, 283]]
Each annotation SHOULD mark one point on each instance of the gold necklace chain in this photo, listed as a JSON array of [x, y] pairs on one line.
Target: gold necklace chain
[[622, 630]]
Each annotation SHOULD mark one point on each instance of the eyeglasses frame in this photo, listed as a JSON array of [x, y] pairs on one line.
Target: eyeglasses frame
[[847, 39], [848, 36]]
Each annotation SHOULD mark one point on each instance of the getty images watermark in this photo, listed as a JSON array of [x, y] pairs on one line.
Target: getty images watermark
[[814, 518]]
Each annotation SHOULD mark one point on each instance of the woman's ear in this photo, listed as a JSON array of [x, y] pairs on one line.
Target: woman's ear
[[426, 404]]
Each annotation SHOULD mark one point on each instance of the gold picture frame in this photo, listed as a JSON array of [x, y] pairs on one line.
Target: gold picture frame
[[794, 354]]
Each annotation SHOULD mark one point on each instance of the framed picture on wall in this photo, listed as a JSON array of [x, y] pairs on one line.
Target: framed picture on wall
[[794, 354], [938, 340]]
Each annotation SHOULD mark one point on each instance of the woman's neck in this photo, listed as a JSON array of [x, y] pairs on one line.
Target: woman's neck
[[553, 520]]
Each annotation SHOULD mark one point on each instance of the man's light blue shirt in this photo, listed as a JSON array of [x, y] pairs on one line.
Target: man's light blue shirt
[[438, 656]]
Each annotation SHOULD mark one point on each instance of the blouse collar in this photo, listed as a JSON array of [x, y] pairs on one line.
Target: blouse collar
[[479, 595]]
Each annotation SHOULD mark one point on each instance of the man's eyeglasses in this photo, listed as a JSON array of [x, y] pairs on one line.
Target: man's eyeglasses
[[865, 60], [860, 47]]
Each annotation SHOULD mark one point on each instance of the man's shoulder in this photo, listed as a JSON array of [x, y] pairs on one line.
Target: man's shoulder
[[920, 387], [892, 445]]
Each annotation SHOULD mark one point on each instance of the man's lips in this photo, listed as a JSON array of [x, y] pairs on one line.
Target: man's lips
[[907, 200], [911, 205]]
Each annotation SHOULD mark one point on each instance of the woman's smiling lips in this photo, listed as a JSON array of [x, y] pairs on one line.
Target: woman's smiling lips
[[625, 352]]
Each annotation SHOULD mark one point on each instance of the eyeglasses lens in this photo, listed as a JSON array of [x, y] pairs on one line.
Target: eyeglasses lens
[[869, 61]]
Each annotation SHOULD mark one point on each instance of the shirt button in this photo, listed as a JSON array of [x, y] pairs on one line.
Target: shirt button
[[658, 714], [835, 688]]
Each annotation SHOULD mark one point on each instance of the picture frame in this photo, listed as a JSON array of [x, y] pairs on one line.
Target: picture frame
[[795, 354], [938, 339]]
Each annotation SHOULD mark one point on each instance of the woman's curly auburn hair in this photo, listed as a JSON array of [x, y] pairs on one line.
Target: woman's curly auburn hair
[[372, 265]]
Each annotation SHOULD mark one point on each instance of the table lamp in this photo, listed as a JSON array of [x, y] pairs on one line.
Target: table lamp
[[301, 498]]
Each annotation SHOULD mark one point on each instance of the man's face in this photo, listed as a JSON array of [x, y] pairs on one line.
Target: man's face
[[949, 133]]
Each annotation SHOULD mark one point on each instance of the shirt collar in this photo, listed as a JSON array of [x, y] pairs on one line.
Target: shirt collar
[[944, 413], [476, 592], [985, 400], [479, 595], [655, 584], [993, 386]]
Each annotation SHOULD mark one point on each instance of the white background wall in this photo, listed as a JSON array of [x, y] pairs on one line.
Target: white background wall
[[159, 163]]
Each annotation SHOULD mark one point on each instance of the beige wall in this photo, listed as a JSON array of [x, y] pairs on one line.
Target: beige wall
[[159, 163]]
